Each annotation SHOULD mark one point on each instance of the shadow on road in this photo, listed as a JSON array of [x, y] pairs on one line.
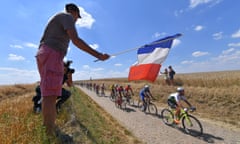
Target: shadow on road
[[209, 138]]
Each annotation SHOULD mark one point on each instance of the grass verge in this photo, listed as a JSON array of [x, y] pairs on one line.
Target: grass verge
[[97, 125]]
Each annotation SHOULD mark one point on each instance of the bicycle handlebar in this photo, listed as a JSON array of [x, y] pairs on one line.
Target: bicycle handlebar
[[191, 109]]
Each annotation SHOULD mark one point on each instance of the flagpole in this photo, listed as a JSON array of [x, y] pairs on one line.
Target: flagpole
[[128, 50]]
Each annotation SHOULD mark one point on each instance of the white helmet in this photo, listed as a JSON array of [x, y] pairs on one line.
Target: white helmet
[[146, 86], [179, 89]]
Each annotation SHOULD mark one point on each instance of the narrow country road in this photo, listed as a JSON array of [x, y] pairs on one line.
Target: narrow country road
[[151, 130]]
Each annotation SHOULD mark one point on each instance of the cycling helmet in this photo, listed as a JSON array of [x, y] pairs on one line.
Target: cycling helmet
[[146, 87], [179, 89]]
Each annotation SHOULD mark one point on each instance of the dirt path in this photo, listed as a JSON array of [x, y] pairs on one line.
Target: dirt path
[[152, 130]]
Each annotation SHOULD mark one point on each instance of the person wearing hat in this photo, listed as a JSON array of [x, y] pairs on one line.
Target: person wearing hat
[[53, 46]]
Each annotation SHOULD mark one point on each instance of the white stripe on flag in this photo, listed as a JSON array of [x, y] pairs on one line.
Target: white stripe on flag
[[156, 57]]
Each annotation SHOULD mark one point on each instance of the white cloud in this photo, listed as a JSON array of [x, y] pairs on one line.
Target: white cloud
[[86, 67], [186, 62], [228, 59], [117, 64], [24, 44], [10, 75], [113, 56], [97, 69], [198, 28], [30, 45], [199, 53], [94, 46], [179, 12], [16, 46], [236, 34], [217, 36], [195, 3], [86, 21], [176, 42], [15, 57], [229, 56], [157, 34], [234, 45], [228, 51]]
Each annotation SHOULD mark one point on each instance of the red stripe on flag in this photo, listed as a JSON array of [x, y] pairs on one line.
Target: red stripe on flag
[[144, 72]]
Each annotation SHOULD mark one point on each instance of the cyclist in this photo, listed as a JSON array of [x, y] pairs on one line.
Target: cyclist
[[112, 88], [103, 89], [128, 92], [120, 91], [174, 101], [128, 89], [145, 92]]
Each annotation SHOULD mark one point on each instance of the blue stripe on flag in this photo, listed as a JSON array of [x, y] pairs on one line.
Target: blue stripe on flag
[[157, 44]]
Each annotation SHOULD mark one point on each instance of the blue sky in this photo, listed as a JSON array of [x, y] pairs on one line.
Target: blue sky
[[210, 41]]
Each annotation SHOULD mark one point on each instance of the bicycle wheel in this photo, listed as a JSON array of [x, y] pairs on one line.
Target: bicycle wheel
[[192, 125], [139, 104], [123, 104], [130, 101], [167, 116], [117, 103], [112, 97], [152, 109]]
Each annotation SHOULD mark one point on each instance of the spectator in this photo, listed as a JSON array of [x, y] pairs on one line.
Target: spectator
[[52, 49], [166, 77], [171, 73]]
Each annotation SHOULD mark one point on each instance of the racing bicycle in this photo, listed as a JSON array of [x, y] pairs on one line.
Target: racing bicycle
[[120, 102], [150, 107], [191, 124]]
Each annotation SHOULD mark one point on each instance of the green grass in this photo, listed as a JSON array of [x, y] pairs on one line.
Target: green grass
[[98, 126]]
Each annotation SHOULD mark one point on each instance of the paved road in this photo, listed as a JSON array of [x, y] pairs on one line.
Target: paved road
[[151, 130]]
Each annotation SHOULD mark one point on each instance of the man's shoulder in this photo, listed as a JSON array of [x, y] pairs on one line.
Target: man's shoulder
[[63, 16]]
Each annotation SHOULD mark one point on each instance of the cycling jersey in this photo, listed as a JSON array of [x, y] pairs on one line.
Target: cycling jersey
[[174, 98], [143, 93], [128, 88]]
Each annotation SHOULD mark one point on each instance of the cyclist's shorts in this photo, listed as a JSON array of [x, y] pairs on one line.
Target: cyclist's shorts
[[172, 103], [142, 97], [51, 70]]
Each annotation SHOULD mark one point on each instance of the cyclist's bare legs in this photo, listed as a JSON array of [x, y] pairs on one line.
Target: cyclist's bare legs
[[177, 113]]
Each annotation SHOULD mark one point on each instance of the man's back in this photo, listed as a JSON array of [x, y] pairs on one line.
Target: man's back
[[55, 35]]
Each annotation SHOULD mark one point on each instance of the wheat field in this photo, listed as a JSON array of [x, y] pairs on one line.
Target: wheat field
[[216, 96]]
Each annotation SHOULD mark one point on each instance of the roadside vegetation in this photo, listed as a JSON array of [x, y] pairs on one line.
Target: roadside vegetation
[[80, 118]]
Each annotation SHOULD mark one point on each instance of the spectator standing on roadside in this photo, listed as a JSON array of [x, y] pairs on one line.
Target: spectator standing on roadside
[[52, 49], [166, 77], [171, 74]]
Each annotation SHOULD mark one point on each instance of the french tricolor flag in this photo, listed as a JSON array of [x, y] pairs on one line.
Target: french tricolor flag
[[150, 59]]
